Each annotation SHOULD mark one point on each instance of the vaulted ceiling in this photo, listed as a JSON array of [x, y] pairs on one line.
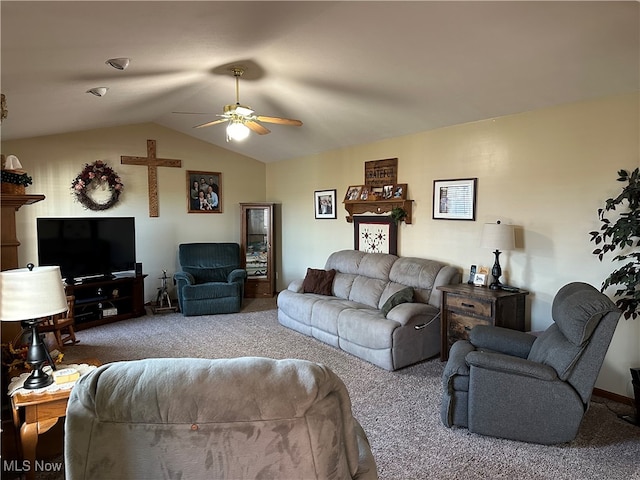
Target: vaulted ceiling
[[353, 72]]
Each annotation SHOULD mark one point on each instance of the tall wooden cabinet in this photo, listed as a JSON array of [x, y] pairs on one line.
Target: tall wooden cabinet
[[257, 249]]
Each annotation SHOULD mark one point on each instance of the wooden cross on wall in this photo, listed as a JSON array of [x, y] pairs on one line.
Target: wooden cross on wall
[[152, 163]]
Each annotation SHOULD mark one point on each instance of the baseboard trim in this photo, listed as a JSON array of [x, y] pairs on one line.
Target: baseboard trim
[[613, 396]]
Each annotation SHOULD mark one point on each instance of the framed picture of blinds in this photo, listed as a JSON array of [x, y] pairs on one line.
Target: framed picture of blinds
[[454, 199]]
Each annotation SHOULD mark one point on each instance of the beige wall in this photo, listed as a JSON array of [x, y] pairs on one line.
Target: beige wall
[[54, 161], [547, 172]]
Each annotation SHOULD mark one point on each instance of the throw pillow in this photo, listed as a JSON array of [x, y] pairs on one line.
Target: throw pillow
[[401, 296], [318, 281]]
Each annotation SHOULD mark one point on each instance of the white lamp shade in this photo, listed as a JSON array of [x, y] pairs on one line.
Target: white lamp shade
[[29, 294], [498, 236], [237, 131]]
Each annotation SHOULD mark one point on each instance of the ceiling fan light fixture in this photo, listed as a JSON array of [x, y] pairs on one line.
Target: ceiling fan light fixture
[[98, 91], [238, 131], [118, 63]]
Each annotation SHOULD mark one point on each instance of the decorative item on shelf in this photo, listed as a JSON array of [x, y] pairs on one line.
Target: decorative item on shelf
[[27, 295], [501, 237], [623, 234], [97, 175], [398, 214], [14, 178]]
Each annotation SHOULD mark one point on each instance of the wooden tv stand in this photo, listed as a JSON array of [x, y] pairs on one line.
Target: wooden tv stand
[[104, 301]]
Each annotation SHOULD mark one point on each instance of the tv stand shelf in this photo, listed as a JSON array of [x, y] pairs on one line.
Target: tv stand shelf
[[96, 300]]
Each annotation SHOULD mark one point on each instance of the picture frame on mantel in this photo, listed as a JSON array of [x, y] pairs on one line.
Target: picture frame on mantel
[[325, 204], [375, 234], [454, 199]]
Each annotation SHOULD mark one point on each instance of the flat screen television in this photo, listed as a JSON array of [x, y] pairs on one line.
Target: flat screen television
[[87, 247]]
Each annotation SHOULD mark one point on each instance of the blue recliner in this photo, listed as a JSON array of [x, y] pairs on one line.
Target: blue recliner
[[211, 280]]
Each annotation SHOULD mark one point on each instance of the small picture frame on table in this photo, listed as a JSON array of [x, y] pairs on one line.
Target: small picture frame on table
[[325, 204], [480, 280]]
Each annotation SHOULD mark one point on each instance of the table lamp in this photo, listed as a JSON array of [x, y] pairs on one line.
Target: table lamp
[[501, 237], [27, 295]]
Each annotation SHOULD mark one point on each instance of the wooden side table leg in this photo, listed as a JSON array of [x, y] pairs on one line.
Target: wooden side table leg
[[29, 440]]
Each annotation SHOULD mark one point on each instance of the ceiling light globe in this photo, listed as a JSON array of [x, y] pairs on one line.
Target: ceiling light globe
[[237, 131]]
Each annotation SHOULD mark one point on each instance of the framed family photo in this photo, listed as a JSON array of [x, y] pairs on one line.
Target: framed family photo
[[454, 199], [325, 204], [204, 192]]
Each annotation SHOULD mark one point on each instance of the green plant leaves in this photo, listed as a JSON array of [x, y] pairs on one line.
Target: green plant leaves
[[622, 234]]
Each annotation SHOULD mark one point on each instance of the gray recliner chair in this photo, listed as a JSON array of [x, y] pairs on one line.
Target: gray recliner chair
[[239, 418], [510, 384], [211, 279]]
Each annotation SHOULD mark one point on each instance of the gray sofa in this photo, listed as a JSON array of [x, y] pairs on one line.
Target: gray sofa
[[359, 314], [194, 418]]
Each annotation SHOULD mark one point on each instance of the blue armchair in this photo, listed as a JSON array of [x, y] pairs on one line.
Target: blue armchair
[[211, 280]]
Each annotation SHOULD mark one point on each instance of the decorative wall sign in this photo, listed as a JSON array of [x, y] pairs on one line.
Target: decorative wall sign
[[204, 192], [325, 204], [454, 199], [94, 177], [378, 173], [375, 234], [152, 163]]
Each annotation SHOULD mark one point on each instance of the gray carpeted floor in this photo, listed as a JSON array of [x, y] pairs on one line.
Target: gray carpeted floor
[[398, 410]]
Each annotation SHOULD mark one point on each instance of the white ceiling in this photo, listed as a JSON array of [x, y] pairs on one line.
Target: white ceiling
[[353, 72]]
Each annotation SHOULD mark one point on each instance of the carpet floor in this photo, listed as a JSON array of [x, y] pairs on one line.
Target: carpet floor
[[398, 410]]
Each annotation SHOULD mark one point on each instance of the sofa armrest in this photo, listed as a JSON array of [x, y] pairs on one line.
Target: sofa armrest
[[503, 340], [507, 364], [237, 275], [407, 313], [296, 286]]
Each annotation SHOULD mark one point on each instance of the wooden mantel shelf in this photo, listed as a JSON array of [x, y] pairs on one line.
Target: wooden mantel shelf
[[378, 206], [16, 201]]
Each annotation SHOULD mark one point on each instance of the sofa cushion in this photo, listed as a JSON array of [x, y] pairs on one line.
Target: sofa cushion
[[404, 295], [366, 327], [367, 290], [318, 281], [419, 273]]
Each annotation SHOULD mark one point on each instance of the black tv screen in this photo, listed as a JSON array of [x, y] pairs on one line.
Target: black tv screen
[[85, 247]]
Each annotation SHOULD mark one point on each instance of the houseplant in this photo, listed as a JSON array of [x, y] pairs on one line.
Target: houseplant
[[398, 214], [622, 234]]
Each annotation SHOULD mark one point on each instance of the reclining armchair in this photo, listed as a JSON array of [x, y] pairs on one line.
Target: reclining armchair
[[211, 280], [194, 418], [510, 384]]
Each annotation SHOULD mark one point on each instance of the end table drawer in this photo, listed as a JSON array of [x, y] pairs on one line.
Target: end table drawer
[[460, 326], [471, 305]]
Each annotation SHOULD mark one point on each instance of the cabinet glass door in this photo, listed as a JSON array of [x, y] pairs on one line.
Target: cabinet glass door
[[257, 243]]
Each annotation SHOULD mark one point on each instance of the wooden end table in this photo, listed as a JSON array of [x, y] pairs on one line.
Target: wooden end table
[[39, 412], [464, 306]]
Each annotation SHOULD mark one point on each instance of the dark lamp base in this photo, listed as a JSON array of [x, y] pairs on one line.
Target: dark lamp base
[[37, 379]]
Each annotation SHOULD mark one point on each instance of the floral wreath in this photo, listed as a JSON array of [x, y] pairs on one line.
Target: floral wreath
[[94, 174]]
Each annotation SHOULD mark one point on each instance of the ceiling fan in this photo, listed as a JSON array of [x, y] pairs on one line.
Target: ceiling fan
[[242, 119]]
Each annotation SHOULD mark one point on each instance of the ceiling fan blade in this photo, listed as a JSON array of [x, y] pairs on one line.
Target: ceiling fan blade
[[279, 121], [195, 113], [257, 128], [208, 124]]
